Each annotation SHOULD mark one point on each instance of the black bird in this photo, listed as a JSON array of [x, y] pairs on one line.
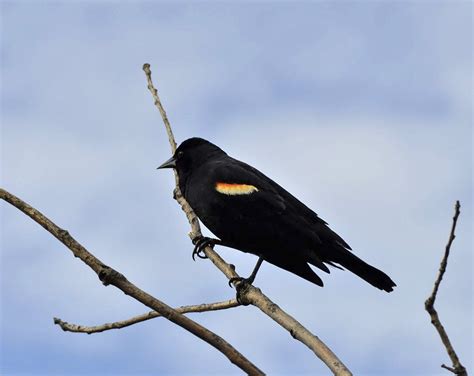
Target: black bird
[[248, 211]]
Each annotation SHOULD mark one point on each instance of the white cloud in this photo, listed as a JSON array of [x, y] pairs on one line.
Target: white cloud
[[376, 159]]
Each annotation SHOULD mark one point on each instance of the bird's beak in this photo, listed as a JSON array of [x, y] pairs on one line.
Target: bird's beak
[[170, 163]]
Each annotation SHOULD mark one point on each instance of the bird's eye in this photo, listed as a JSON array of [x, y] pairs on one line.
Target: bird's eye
[[180, 154]]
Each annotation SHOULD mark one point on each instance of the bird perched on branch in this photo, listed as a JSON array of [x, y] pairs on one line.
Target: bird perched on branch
[[249, 212]]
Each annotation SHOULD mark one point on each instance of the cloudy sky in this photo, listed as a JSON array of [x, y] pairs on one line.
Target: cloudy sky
[[363, 110]]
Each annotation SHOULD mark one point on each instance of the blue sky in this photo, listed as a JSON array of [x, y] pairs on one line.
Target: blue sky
[[363, 110]]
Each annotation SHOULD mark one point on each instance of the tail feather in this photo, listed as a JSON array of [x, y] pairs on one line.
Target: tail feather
[[368, 273]]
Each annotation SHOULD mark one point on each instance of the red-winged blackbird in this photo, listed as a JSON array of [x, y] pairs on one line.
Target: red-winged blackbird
[[250, 212]]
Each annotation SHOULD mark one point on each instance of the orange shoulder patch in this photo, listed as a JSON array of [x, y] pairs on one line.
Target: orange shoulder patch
[[232, 189]]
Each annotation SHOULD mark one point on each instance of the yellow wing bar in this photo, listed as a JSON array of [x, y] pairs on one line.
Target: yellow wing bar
[[232, 189]]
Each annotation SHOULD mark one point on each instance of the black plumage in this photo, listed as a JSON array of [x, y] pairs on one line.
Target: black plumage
[[248, 211]]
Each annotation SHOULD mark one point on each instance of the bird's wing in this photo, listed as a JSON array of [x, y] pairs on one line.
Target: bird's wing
[[317, 225], [284, 195], [251, 199]]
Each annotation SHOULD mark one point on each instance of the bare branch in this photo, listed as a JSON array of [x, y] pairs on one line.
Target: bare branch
[[457, 368], [154, 93], [448, 368], [251, 294], [68, 327], [109, 276]]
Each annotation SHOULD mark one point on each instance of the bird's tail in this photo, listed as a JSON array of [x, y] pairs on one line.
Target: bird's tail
[[365, 271]]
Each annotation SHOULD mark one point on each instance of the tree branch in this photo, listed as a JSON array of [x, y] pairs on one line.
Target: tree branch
[[68, 327], [251, 294], [109, 276], [457, 368]]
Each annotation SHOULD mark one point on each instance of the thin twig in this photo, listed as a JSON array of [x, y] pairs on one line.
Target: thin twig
[[109, 276], [68, 327], [154, 92], [448, 368], [251, 294], [457, 367]]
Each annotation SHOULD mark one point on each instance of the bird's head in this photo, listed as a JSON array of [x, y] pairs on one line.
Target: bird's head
[[191, 154]]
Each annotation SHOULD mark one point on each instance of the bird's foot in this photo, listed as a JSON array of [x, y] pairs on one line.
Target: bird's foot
[[241, 287], [242, 284], [200, 244]]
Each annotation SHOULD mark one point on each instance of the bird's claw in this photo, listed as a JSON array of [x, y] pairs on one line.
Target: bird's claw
[[241, 281], [241, 285], [200, 245]]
